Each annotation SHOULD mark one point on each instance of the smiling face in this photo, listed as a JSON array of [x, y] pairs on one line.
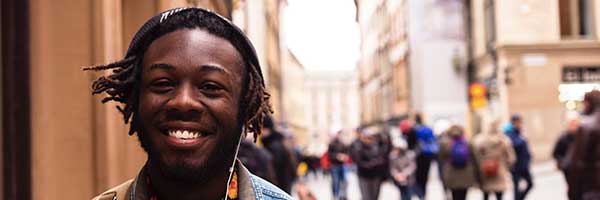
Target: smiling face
[[191, 84]]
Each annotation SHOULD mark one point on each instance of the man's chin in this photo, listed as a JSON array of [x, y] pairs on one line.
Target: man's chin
[[183, 172], [180, 168]]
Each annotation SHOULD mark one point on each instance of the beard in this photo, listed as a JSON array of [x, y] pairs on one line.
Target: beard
[[183, 172]]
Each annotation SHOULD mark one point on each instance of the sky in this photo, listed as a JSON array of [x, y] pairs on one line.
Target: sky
[[323, 35]]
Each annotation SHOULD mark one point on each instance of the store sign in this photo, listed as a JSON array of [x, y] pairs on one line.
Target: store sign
[[534, 60], [581, 74]]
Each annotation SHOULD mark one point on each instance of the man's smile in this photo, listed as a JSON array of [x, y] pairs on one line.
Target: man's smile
[[183, 135]]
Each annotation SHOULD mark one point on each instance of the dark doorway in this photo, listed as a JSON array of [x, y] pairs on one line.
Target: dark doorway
[[15, 178]]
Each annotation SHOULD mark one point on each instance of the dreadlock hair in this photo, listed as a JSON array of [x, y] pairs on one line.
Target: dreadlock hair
[[122, 85]]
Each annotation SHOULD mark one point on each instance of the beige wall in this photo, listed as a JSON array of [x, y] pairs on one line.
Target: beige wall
[[401, 89], [62, 136], [526, 22], [294, 97], [597, 16], [478, 31]]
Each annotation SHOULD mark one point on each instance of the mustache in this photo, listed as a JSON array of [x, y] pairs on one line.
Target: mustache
[[190, 115]]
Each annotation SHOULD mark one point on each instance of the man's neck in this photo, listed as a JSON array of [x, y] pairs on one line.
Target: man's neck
[[169, 189]]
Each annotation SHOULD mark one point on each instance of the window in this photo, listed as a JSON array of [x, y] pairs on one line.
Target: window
[[576, 19]]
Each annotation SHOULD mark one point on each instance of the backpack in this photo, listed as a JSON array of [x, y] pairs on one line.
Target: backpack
[[427, 142], [490, 168], [459, 153]]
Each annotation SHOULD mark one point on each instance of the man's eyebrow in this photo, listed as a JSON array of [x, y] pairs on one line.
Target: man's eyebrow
[[213, 68], [162, 66], [201, 68]]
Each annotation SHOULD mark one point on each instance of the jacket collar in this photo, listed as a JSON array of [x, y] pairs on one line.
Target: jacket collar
[[246, 191]]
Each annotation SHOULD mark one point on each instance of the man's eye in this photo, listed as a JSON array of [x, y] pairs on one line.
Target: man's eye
[[211, 87], [162, 85]]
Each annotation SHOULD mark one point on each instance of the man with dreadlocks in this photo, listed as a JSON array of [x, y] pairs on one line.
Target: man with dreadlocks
[[191, 86]]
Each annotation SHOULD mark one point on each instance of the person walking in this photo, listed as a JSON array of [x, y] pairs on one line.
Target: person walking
[[427, 152], [402, 167], [338, 154], [563, 144], [583, 159], [370, 157], [257, 159], [494, 157], [408, 132], [284, 160], [459, 167], [521, 169]]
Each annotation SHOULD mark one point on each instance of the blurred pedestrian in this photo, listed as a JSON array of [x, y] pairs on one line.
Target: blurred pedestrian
[[459, 167], [338, 154], [406, 126], [370, 157], [325, 163], [521, 169], [257, 159], [563, 144], [427, 149], [443, 138], [284, 159], [494, 155], [583, 159], [402, 167], [312, 162]]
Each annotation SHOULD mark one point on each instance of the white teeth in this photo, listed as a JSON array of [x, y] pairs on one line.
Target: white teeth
[[184, 134]]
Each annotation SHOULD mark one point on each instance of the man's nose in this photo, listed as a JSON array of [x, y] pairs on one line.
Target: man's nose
[[185, 100]]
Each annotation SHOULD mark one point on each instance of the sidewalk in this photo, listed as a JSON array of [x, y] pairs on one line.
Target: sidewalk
[[548, 184]]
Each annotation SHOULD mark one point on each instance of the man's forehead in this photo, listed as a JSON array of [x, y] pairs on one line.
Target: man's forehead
[[196, 46]]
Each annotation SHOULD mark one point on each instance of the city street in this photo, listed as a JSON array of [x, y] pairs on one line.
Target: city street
[[548, 184]]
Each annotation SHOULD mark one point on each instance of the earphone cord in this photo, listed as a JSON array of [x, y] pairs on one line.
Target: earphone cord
[[237, 149]]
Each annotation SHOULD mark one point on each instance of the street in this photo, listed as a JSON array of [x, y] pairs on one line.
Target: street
[[548, 184]]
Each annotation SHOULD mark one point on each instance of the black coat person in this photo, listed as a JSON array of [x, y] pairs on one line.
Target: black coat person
[[370, 155], [559, 153], [258, 160], [582, 161], [284, 161]]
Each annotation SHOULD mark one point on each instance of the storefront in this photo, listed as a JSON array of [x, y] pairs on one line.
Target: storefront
[[576, 81], [542, 83]]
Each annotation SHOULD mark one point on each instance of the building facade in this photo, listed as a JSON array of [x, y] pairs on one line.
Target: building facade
[[438, 76], [261, 20], [412, 55], [537, 58], [332, 104], [294, 95], [384, 85]]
